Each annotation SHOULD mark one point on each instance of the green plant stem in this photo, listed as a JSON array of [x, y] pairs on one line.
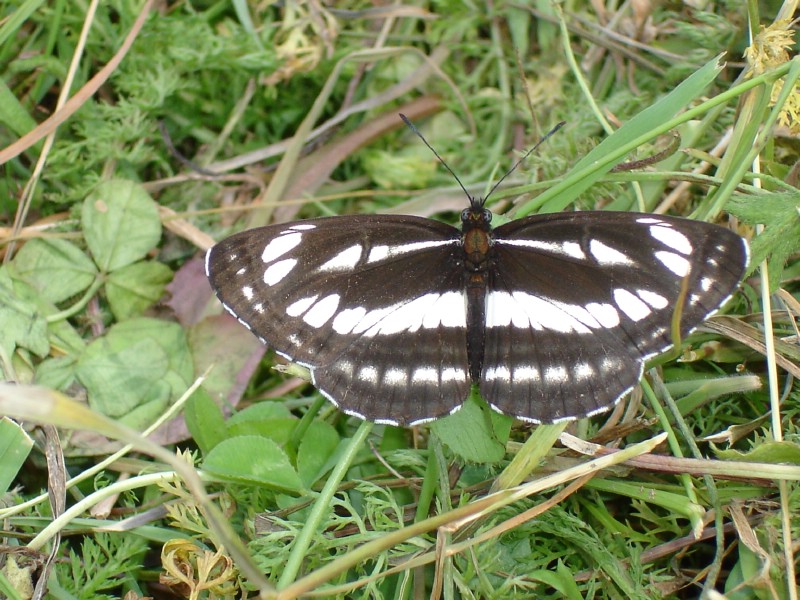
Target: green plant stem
[[111, 459], [322, 506], [75, 510], [672, 440], [775, 409], [430, 481], [529, 456], [711, 488], [733, 178], [562, 193], [305, 422], [458, 517], [42, 405], [577, 73], [79, 305]]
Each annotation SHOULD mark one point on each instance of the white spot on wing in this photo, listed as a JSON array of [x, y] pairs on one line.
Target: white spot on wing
[[606, 255], [248, 292], [322, 311], [295, 309], [369, 374], [571, 249], [345, 260], [672, 238], [241, 271], [425, 374], [277, 271], [653, 299], [631, 305], [583, 371], [378, 253], [528, 311], [280, 246], [370, 319], [675, 263], [556, 375], [453, 374], [347, 319], [605, 314], [496, 372], [395, 377], [407, 317], [526, 373], [344, 366], [449, 310], [429, 311], [301, 227]]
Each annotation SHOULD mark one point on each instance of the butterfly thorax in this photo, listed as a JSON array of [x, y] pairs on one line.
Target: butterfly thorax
[[476, 238], [478, 258]]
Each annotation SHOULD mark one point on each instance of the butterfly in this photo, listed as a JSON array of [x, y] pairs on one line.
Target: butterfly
[[551, 316]]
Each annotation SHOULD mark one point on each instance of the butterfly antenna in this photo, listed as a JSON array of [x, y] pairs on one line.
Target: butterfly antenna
[[441, 160], [413, 128], [526, 155]]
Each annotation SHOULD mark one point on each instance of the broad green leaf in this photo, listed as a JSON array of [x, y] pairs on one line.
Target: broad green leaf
[[476, 433], [267, 419], [316, 454], [278, 430], [122, 373], [254, 460], [29, 310], [58, 269], [133, 371], [57, 373], [205, 421], [15, 445], [260, 412], [784, 452], [134, 288], [120, 223], [172, 339], [21, 324], [561, 579]]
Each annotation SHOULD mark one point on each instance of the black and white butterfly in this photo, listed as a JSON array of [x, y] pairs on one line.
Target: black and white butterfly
[[552, 316]]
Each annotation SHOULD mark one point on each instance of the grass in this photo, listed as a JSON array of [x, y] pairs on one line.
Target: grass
[[133, 136]]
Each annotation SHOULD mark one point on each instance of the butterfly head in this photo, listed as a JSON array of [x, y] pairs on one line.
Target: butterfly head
[[476, 216]]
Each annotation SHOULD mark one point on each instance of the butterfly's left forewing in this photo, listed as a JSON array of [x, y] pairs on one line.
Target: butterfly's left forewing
[[372, 305], [578, 301]]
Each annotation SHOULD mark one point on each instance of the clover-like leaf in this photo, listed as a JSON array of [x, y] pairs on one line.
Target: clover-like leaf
[[120, 223]]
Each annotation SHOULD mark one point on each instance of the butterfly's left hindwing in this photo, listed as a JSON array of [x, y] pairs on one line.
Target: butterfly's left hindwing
[[372, 305], [580, 300]]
